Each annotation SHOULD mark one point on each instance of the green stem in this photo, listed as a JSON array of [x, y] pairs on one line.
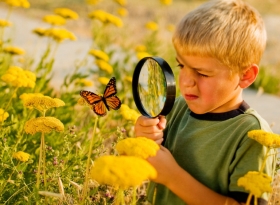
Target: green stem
[[264, 160], [41, 162], [85, 187], [119, 197], [134, 196]]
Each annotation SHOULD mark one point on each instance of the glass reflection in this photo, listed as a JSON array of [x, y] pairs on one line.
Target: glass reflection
[[152, 87]]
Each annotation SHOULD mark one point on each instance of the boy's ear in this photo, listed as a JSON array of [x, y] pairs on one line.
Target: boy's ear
[[249, 76]]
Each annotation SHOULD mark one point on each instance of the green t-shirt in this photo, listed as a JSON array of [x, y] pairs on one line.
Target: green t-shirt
[[213, 147]]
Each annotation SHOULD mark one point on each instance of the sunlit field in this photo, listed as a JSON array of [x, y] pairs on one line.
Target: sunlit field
[[54, 148]]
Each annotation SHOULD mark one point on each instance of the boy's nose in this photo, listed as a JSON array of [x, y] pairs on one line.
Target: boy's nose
[[188, 80]]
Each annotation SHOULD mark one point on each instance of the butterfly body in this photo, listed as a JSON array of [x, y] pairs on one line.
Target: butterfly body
[[100, 103]]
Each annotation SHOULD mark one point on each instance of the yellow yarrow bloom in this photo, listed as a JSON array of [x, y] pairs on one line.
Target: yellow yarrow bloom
[[152, 26], [129, 114], [140, 48], [105, 17], [141, 55], [66, 13], [40, 31], [3, 115], [166, 2], [5, 23], [13, 50], [103, 65], [18, 3], [41, 103], [122, 171], [139, 147], [43, 125], [255, 182], [103, 80], [128, 78], [84, 82], [99, 54], [268, 139], [121, 2], [122, 12], [55, 20], [93, 2], [18, 77], [60, 34], [21, 156]]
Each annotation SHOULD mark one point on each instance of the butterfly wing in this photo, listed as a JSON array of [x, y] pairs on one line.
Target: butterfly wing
[[90, 97], [99, 108], [111, 101]]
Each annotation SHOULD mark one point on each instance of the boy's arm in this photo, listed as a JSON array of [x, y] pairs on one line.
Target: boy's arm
[[183, 184]]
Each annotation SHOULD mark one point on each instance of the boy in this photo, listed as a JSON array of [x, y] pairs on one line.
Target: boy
[[206, 147]]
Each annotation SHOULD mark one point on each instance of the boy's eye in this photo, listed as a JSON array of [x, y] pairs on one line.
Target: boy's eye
[[180, 65], [202, 75]]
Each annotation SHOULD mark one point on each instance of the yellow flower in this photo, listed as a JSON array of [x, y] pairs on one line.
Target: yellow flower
[[41, 103], [103, 80], [54, 20], [128, 78], [105, 17], [141, 55], [166, 2], [170, 27], [66, 13], [93, 2], [139, 147], [13, 50], [255, 182], [84, 82], [26, 96], [18, 3], [121, 2], [3, 115], [82, 101], [152, 26], [140, 48], [268, 139], [99, 54], [121, 171], [122, 12], [43, 125], [60, 34], [19, 77], [21, 156], [40, 31], [5, 23], [103, 65], [129, 114]]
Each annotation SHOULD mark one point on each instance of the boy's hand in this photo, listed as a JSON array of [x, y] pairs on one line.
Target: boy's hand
[[151, 128]]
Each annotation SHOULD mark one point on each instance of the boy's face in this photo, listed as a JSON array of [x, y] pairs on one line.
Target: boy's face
[[207, 85]]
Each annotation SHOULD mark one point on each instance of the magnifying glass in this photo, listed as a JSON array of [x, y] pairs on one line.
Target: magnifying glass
[[153, 87]]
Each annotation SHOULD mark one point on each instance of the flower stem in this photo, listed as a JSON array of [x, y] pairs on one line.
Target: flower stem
[[85, 187], [249, 199], [42, 161], [134, 196], [264, 160]]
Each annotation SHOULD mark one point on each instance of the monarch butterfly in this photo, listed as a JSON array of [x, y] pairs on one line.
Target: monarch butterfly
[[108, 100]]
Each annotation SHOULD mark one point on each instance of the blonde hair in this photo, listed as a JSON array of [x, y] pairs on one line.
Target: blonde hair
[[229, 30]]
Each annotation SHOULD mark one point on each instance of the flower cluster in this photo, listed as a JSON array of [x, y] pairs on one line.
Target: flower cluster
[[43, 125], [13, 50], [105, 17], [268, 139], [18, 3], [18, 77], [121, 171], [3, 115], [129, 114], [21, 156], [5, 23], [139, 147], [40, 102], [55, 20], [255, 182], [66, 13]]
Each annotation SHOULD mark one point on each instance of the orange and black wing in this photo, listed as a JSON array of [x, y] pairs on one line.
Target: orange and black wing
[[111, 88], [111, 101], [90, 97], [99, 108]]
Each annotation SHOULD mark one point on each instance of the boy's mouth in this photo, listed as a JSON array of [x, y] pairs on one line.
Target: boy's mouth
[[190, 97]]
